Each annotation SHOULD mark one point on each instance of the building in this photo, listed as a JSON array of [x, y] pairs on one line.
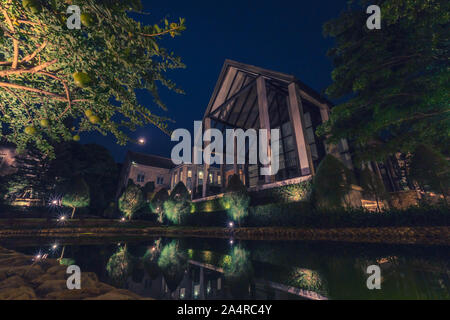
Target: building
[[249, 97], [143, 168]]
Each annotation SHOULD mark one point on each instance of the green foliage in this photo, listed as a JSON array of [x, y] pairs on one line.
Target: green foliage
[[131, 200], [176, 210], [119, 266], [208, 205], [77, 194], [293, 192], [430, 169], [303, 215], [331, 183], [236, 199], [58, 75], [238, 271], [178, 204], [157, 203], [373, 186], [173, 263], [398, 78]]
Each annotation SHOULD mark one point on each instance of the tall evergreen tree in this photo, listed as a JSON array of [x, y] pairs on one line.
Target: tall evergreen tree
[[395, 81]]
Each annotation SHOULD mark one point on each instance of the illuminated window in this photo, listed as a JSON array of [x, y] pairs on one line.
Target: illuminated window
[[211, 178], [219, 179], [181, 176], [189, 173], [200, 175], [176, 177]]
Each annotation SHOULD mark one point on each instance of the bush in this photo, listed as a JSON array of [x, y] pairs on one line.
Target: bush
[[331, 183], [77, 195], [178, 204], [157, 203], [236, 199], [131, 200]]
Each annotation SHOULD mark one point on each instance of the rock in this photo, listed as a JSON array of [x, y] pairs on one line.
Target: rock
[[74, 294], [14, 261], [51, 286], [115, 295], [21, 293], [12, 282]]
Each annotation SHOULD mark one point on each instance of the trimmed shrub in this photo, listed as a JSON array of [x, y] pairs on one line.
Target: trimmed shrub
[[131, 200], [77, 195], [178, 204], [157, 203], [236, 199], [331, 183]]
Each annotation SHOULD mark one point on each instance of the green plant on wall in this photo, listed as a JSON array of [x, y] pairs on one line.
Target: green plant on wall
[[293, 192], [77, 195], [131, 200]]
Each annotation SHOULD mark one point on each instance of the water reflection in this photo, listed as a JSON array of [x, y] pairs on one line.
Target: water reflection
[[215, 269]]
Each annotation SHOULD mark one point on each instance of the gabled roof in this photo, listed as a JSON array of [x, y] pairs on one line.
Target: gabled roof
[[236, 76], [150, 160]]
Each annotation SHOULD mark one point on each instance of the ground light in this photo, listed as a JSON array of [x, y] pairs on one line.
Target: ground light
[[231, 224]]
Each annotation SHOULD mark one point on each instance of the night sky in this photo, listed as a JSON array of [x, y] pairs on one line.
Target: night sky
[[284, 36]]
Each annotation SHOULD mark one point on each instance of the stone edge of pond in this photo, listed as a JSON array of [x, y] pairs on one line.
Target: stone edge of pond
[[438, 235], [21, 279]]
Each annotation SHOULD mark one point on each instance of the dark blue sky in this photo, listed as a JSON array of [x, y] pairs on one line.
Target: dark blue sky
[[281, 35]]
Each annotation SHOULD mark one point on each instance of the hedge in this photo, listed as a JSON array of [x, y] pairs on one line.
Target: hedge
[[302, 214]]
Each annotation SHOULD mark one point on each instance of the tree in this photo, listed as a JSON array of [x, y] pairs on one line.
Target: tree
[[148, 190], [131, 200], [236, 199], [331, 183], [397, 77], [56, 83], [178, 204], [157, 203], [77, 195], [31, 180], [373, 185], [430, 169], [119, 265], [173, 263], [94, 163]]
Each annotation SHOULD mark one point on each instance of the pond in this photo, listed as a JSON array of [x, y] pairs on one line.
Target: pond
[[194, 268]]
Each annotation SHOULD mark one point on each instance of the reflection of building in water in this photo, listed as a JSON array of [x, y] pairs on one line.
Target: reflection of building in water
[[204, 281]]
